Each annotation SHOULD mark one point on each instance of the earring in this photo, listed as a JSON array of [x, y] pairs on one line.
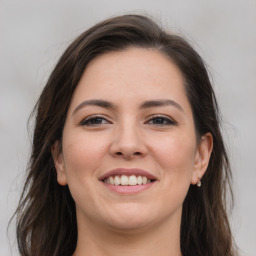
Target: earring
[[199, 183]]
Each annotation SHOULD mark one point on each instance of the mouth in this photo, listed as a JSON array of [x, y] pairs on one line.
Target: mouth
[[125, 180], [128, 179]]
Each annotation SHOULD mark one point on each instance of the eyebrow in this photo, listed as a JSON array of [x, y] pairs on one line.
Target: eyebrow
[[144, 105], [94, 102], [160, 103]]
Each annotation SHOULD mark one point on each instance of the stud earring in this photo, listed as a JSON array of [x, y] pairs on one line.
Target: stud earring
[[199, 183]]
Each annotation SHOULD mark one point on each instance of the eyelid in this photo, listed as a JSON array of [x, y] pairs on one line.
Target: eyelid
[[166, 117], [170, 121], [91, 117]]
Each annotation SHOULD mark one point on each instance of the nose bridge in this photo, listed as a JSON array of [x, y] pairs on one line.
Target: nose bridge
[[128, 140]]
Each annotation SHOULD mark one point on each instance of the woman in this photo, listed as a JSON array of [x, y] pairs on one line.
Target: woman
[[127, 156]]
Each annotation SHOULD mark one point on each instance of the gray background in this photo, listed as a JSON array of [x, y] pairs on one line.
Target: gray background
[[33, 34]]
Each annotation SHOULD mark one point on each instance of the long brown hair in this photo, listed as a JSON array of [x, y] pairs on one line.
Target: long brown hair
[[46, 217]]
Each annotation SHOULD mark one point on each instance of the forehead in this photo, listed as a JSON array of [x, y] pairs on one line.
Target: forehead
[[131, 74]]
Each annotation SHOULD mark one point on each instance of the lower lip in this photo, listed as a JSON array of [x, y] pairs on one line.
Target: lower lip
[[128, 189]]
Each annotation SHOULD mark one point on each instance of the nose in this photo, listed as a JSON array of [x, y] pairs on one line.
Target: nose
[[128, 143]]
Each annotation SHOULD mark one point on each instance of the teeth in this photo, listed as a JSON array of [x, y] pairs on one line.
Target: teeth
[[111, 180], [125, 180], [132, 180], [117, 180], [139, 180]]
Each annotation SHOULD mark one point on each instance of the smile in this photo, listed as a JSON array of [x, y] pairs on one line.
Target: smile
[[125, 180]]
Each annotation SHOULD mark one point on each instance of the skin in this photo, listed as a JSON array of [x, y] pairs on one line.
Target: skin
[[159, 139]]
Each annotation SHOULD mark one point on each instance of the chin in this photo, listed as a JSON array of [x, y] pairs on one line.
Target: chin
[[130, 217], [132, 225]]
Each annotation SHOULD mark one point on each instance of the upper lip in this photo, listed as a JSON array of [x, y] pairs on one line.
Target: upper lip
[[128, 172]]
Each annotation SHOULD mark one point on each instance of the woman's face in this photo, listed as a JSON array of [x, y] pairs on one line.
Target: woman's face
[[130, 122]]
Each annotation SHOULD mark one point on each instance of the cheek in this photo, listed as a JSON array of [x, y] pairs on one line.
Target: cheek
[[83, 154], [176, 156]]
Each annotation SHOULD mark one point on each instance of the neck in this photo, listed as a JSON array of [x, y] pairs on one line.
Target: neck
[[162, 239]]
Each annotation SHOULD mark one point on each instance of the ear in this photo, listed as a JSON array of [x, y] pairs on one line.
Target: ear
[[202, 157], [59, 163]]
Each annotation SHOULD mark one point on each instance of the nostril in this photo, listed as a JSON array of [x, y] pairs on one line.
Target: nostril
[[119, 153]]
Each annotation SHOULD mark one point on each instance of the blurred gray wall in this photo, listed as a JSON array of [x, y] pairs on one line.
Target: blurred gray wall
[[33, 34]]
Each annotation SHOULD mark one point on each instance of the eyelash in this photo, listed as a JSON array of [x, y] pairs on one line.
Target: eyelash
[[166, 121], [89, 121], [154, 120]]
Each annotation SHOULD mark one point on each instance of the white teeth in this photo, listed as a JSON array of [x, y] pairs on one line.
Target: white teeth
[[111, 180], [125, 180], [132, 180], [144, 180], [139, 180], [117, 180]]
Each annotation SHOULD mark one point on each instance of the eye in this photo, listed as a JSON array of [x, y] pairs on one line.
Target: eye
[[161, 121], [94, 121]]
